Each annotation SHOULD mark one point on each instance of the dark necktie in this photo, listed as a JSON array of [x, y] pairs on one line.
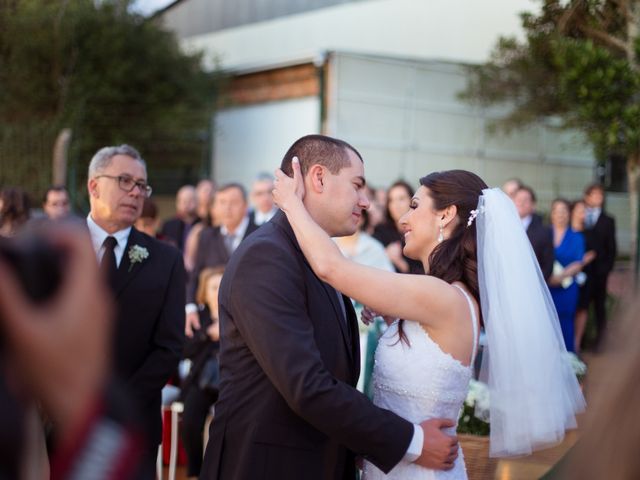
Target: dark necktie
[[228, 242], [108, 264]]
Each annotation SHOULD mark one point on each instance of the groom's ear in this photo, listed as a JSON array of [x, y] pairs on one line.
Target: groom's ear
[[315, 177]]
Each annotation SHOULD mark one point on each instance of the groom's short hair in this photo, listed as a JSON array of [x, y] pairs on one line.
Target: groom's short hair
[[318, 149]]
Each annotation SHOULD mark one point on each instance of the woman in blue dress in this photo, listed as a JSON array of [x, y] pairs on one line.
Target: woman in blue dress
[[569, 252]]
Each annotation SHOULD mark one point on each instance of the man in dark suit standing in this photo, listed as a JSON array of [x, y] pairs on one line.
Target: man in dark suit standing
[[177, 228], [541, 237], [288, 409], [600, 230], [147, 280], [217, 243]]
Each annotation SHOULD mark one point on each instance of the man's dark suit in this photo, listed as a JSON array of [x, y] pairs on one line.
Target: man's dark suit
[[175, 229], [211, 252], [288, 409], [541, 239], [149, 329], [602, 239]]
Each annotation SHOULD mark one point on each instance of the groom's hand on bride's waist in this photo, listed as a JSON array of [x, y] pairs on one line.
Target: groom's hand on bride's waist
[[439, 449]]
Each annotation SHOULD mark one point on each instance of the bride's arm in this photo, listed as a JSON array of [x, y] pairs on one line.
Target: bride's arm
[[422, 298]]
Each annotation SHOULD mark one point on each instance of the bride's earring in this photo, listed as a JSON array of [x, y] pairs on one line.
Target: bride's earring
[[441, 234]]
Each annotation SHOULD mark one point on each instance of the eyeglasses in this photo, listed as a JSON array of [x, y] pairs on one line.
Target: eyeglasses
[[127, 184]]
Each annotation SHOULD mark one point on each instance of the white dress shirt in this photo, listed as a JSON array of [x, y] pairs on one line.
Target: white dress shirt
[[98, 235]]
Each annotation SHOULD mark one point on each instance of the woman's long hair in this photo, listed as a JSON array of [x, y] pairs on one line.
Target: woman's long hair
[[455, 259]]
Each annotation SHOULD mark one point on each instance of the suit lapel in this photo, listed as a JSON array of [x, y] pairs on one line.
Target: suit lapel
[[280, 219], [332, 293], [127, 270]]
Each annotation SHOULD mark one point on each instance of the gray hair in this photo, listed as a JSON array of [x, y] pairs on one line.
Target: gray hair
[[102, 158]]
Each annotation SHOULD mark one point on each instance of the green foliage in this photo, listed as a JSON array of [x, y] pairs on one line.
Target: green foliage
[[110, 75], [577, 65], [469, 423]]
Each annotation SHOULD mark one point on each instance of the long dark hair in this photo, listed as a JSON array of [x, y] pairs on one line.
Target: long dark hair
[[455, 258], [387, 213]]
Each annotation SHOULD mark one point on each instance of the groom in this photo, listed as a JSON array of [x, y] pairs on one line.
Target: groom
[[147, 280], [290, 353]]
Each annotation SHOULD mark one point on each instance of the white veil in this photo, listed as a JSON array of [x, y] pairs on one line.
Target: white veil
[[534, 394]]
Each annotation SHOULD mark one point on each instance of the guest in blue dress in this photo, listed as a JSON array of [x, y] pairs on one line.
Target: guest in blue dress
[[569, 252]]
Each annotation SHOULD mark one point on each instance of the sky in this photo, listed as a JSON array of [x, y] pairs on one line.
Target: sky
[[147, 7]]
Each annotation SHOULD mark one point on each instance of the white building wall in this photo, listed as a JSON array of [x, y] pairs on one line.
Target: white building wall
[[407, 120], [253, 139]]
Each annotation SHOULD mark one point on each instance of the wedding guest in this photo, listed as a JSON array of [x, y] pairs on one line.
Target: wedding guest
[[390, 232], [199, 391], [15, 210], [375, 214], [569, 252], [540, 236], [147, 279], [204, 197], [56, 204], [177, 228], [217, 243], [601, 228], [262, 206], [511, 186], [205, 189], [578, 215], [363, 248]]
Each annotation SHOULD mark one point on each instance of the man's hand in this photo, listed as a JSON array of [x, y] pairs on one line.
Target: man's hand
[[439, 449], [191, 324]]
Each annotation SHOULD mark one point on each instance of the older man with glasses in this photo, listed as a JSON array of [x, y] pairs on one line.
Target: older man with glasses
[[147, 280]]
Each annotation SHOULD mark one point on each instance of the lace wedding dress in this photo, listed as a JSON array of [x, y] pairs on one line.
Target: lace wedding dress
[[419, 381]]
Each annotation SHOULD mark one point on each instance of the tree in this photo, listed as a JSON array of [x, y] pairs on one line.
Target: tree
[[109, 75], [578, 64]]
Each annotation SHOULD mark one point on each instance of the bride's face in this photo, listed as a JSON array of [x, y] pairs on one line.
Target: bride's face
[[421, 226]]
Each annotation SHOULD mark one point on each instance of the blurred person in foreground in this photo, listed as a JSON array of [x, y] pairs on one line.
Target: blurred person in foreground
[[56, 204], [610, 433], [601, 230], [56, 354], [539, 235], [147, 280], [262, 206], [15, 210]]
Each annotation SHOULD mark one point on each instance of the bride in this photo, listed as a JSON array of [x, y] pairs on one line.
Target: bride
[[480, 270]]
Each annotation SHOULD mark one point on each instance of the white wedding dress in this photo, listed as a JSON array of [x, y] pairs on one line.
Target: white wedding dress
[[419, 382]]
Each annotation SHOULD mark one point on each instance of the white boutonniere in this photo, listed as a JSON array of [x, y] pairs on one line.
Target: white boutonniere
[[137, 254]]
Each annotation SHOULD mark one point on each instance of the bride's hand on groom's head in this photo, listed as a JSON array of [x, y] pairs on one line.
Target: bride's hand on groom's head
[[288, 188]]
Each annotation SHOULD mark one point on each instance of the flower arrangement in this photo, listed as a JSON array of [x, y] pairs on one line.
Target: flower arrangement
[[474, 415]]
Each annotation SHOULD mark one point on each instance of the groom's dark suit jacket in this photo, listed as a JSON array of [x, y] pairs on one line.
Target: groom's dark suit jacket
[[289, 362], [149, 328]]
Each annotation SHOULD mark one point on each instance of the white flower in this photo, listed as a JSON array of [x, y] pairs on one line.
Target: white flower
[[577, 365], [478, 395], [137, 254]]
